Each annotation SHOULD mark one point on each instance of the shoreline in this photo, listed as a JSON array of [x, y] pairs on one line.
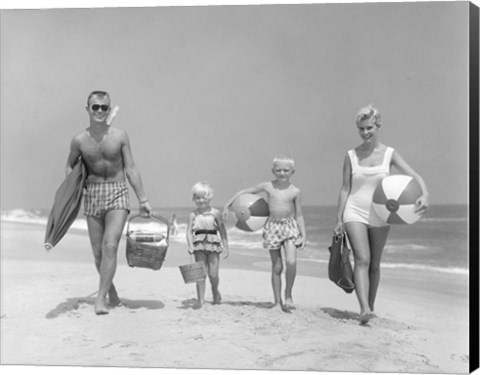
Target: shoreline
[[306, 255], [48, 299]]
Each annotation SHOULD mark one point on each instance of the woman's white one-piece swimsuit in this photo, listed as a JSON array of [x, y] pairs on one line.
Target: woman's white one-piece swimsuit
[[363, 183]]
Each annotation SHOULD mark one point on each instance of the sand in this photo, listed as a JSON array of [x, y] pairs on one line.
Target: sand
[[47, 315]]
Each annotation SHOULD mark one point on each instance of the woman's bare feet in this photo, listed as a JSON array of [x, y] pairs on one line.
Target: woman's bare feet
[[366, 317], [280, 307]]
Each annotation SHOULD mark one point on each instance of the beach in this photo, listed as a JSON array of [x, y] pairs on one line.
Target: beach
[[47, 315]]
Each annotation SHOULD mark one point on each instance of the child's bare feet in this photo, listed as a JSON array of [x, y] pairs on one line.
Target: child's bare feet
[[217, 298], [198, 304], [289, 304]]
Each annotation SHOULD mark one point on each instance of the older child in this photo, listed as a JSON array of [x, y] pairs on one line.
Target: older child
[[206, 238], [285, 226]]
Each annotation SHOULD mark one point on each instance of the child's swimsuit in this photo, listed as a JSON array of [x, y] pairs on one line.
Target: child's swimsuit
[[205, 233], [101, 197], [277, 232], [363, 183]]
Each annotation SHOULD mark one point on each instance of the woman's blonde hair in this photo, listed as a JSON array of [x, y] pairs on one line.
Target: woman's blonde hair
[[368, 113], [202, 189]]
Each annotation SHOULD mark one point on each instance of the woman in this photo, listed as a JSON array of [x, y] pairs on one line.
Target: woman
[[363, 168]]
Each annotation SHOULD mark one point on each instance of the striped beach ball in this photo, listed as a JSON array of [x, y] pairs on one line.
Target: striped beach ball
[[251, 212], [394, 199]]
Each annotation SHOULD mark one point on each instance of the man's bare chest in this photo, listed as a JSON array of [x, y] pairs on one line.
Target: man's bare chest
[[103, 149]]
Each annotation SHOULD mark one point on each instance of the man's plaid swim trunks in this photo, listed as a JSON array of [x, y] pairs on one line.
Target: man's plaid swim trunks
[[99, 198]]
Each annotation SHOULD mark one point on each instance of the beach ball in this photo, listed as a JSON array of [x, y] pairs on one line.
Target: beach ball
[[251, 212], [394, 199]]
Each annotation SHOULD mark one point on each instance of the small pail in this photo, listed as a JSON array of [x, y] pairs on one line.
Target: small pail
[[193, 272]]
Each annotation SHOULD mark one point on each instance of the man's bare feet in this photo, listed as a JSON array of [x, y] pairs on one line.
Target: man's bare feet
[[113, 295], [115, 303], [100, 308], [114, 300]]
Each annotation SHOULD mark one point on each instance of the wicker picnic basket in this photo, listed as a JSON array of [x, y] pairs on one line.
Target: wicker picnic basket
[[147, 249]]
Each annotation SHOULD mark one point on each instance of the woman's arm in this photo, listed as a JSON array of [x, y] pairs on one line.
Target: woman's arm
[[343, 195], [400, 163]]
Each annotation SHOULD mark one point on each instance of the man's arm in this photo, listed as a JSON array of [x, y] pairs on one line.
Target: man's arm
[[73, 155], [133, 175]]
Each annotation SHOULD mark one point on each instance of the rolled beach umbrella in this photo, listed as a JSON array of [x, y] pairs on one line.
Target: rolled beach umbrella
[[66, 204]]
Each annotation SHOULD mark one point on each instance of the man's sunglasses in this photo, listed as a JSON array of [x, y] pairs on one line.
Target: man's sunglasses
[[104, 107]]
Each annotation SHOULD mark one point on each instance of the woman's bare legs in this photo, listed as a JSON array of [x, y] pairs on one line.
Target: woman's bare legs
[[378, 237], [367, 245]]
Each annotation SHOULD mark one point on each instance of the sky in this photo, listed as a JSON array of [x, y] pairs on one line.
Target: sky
[[215, 92]]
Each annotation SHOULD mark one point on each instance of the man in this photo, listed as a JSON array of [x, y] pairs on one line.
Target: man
[[105, 151]]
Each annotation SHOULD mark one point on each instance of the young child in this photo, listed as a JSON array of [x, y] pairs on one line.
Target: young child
[[173, 225], [206, 238], [285, 226]]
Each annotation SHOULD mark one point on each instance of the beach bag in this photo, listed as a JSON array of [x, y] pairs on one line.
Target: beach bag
[[339, 267]]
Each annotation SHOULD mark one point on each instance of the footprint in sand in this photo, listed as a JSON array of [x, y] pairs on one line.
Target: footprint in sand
[[125, 344], [464, 358]]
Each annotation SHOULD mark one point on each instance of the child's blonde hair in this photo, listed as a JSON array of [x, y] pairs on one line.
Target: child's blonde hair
[[285, 159], [202, 189], [367, 113]]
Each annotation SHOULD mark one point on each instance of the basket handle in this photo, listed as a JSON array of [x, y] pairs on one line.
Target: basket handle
[[157, 217]]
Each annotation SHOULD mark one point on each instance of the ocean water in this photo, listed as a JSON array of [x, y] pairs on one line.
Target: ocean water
[[439, 241]]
